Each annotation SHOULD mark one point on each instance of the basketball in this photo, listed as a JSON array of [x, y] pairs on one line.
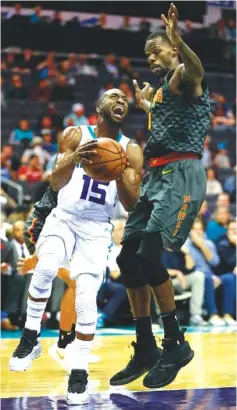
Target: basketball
[[109, 163]]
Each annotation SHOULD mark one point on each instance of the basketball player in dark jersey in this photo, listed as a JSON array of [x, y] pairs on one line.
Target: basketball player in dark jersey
[[33, 228], [171, 195]]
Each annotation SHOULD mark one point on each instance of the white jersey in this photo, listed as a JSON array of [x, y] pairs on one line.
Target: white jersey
[[85, 198]]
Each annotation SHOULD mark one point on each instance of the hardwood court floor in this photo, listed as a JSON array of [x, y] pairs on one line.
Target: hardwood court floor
[[214, 365]]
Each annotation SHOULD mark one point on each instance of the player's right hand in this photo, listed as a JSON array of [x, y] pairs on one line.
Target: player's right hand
[[84, 153], [143, 96], [24, 265]]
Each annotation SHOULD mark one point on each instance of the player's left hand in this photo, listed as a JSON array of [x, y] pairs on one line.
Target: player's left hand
[[171, 24]]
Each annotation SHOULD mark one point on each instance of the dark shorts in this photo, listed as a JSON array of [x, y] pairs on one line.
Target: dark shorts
[[33, 227], [169, 202]]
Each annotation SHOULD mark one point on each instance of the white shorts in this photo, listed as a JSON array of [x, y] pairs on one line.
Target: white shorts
[[87, 245]]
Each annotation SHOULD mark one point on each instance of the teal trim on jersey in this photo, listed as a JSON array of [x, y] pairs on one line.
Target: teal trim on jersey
[[119, 136], [91, 132]]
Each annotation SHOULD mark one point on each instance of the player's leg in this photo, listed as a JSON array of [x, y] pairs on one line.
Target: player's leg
[[90, 255], [87, 287], [54, 248], [180, 198], [139, 293], [67, 311]]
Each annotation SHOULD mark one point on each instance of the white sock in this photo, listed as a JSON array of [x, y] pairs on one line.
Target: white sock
[[82, 350], [35, 311]]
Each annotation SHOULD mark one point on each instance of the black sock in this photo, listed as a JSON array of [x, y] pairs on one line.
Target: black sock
[[73, 331], [64, 339], [144, 331], [171, 325]]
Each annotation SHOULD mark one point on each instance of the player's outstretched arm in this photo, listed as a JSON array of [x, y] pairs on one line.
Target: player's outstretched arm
[[129, 184], [193, 69], [70, 153], [143, 96]]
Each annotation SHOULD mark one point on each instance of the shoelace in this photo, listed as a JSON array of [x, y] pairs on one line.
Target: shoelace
[[24, 348], [77, 382]]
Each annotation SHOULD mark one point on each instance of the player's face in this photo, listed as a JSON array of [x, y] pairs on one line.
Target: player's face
[[114, 107], [160, 56]]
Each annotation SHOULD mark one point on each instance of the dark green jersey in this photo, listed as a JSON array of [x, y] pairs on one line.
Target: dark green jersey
[[177, 122]]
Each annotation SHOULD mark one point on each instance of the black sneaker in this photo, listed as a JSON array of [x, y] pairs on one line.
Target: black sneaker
[[78, 387], [141, 362], [28, 349], [173, 358]]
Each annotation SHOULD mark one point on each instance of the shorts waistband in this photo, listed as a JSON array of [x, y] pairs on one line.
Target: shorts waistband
[[171, 157]]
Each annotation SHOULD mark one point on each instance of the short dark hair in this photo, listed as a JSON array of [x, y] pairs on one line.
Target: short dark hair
[[159, 33]]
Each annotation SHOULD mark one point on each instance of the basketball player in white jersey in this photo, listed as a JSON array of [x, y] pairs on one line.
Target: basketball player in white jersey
[[79, 229]]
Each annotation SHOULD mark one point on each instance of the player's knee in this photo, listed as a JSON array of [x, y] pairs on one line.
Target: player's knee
[[128, 265], [45, 272], [150, 259]]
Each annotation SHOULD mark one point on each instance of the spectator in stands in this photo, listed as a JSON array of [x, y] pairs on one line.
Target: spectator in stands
[[28, 64], [213, 186], [32, 172], [102, 21], [230, 185], [9, 282], [204, 214], [48, 144], [93, 119], [74, 66], [181, 268], [22, 133], [48, 67], [110, 66], [5, 172], [77, 115], [38, 150], [204, 254], [36, 16], [17, 17], [45, 124], [51, 112], [65, 70], [21, 251], [42, 91], [57, 20], [124, 87], [17, 90], [7, 150], [223, 115], [218, 227], [125, 69], [51, 162], [221, 159], [126, 23], [223, 200], [84, 68], [112, 290], [10, 62], [144, 25], [207, 154], [62, 91]]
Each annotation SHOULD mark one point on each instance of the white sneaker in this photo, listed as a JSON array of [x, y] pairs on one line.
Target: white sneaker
[[58, 355], [229, 320], [78, 387], [28, 349], [197, 320], [216, 320]]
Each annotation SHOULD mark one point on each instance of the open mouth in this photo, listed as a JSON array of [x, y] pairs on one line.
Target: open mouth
[[118, 111]]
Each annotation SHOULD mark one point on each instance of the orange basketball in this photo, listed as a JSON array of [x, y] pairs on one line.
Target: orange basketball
[[109, 163]]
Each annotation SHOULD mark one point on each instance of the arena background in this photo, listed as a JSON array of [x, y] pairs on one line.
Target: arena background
[[57, 58]]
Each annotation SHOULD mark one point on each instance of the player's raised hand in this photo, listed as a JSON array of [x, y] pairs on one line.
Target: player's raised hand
[[143, 96], [171, 24], [84, 153]]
